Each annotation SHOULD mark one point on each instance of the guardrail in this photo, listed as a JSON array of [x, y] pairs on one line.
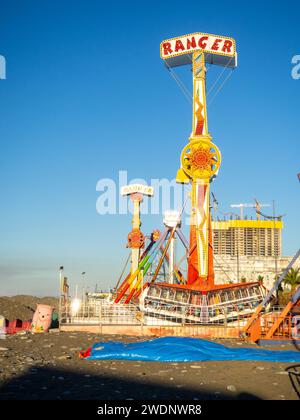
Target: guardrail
[[108, 313], [288, 326]]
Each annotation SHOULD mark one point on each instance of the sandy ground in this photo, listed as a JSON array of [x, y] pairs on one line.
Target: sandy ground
[[47, 366]]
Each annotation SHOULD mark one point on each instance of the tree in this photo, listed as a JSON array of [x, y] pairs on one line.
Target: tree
[[260, 279], [292, 278]]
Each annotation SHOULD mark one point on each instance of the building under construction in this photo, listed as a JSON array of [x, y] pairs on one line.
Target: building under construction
[[248, 249], [261, 238]]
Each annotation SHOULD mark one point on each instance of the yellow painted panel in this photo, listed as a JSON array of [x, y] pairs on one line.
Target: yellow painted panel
[[259, 224]]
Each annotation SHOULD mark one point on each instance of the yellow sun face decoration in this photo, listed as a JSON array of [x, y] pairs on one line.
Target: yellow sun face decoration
[[200, 159]]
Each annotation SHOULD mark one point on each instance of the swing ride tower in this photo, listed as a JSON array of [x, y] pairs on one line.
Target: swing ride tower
[[136, 239]]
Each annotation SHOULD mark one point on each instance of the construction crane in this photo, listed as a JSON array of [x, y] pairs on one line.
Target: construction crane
[[215, 204], [242, 206], [259, 213]]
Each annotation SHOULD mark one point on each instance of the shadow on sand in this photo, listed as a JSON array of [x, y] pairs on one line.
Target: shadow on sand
[[294, 372], [294, 375], [42, 383]]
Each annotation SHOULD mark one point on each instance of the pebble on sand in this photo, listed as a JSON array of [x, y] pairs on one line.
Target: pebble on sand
[[64, 357]]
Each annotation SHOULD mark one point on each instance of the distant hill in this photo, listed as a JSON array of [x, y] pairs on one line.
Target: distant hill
[[23, 306]]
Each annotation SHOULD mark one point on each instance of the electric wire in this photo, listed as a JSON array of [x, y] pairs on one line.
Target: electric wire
[[220, 87], [218, 78], [123, 271], [181, 85]]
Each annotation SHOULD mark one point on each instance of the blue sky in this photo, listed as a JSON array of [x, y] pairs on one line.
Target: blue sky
[[87, 95]]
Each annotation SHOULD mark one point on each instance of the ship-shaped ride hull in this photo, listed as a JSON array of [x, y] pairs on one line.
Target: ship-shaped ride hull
[[219, 305]]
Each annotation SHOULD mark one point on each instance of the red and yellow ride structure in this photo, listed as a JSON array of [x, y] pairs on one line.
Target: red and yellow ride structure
[[200, 160]]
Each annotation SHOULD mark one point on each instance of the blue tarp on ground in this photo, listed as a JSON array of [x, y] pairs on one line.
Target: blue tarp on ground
[[182, 349]]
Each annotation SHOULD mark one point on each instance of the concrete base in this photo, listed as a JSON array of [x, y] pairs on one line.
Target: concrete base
[[202, 331]]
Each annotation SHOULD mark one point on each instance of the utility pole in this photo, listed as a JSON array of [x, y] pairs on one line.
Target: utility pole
[[274, 231], [238, 256], [61, 271], [83, 285]]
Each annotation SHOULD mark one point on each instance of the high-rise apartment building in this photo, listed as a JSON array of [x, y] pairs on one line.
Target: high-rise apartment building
[[260, 238]]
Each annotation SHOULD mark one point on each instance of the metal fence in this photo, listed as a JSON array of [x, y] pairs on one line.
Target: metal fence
[[95, 313], [107, 313]]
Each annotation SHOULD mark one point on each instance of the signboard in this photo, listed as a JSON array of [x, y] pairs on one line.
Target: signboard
[[137, 188], [218, 49], [172, 218]]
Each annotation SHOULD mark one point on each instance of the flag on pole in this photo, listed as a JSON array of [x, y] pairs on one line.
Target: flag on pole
[[298, 175]]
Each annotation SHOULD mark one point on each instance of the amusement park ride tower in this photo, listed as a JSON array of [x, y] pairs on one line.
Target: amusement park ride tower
[[200, 158], [194, 298], [176, 299], [136, 239]]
